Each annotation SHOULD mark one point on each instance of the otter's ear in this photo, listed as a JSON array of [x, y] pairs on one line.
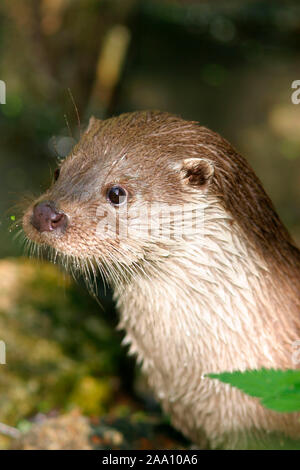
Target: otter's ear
[[197, 172], [92, 121]]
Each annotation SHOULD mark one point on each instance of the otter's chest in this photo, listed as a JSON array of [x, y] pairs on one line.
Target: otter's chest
[[177, 336]]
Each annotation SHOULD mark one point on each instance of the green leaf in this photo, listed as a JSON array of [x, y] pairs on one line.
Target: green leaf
[[278, 390], [286, 401]]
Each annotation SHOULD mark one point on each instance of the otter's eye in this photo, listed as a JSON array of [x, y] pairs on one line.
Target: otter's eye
[[56, 174], [116, 195]]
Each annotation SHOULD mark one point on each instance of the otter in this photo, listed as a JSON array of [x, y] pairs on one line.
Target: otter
[[206, 278]]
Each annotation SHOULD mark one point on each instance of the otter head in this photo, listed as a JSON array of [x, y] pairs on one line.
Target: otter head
[[115, 200]]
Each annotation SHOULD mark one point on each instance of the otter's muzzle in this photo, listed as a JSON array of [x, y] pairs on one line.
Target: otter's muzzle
[[46, 218]]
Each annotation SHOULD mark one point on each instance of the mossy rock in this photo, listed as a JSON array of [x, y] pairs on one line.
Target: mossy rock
[[60, 350], [73, 431]]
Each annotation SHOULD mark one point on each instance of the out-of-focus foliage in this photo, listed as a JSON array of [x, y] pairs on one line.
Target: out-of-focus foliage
[[60, 351]]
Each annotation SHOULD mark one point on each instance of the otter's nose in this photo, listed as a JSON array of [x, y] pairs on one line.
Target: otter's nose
[[45, 217]]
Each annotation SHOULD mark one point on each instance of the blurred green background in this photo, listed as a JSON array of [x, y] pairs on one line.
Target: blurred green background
[[227, 64]]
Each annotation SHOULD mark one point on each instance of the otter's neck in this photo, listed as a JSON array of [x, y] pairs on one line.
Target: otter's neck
[[214, 300]]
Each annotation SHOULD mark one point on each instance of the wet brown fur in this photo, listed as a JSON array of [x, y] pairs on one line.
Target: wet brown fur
[[149, 153]]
